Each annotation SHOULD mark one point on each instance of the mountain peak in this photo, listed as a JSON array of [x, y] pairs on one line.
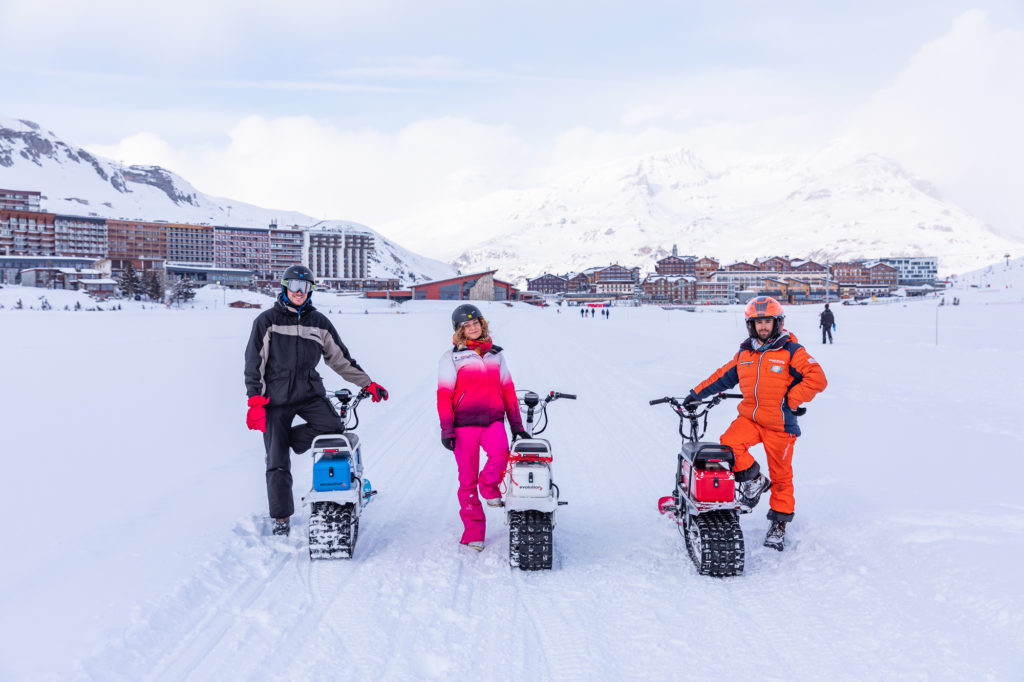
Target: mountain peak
[[76, 182]]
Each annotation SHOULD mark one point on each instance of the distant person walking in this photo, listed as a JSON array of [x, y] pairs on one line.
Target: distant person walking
[[827, 322]]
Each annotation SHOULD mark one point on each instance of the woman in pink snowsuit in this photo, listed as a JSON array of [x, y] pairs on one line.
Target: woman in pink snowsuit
[[474, 395]]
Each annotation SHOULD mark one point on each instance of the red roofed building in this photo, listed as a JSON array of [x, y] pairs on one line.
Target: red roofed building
[[479, 286]]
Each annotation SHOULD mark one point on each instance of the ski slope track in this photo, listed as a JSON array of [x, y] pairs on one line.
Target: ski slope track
[[902, 562]]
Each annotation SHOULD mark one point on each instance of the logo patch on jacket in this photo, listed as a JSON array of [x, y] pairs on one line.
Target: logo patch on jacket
[[776, 368], [464, 357]]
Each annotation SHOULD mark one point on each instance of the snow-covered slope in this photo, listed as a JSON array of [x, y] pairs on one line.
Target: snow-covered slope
[[74, 181], [834, 204], [1007, 274], [135, 544]]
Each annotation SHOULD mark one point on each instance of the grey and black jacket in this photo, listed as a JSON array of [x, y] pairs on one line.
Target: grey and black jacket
[[284, 349]]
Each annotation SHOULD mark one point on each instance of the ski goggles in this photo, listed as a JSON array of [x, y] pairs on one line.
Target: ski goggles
[[297, 285]]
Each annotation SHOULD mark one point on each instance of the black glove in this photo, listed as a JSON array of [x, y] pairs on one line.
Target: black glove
[[448, 443], [800, 411], [691, 402], [520, 434]]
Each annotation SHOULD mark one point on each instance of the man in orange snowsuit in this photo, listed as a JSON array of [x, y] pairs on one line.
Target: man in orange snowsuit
[[776, 376]]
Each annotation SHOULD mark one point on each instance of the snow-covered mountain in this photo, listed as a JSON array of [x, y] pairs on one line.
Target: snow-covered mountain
[[835, 204], [73, 181]]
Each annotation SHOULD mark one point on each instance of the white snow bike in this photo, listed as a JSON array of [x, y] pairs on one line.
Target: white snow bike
[[339, 490], [531, 496]]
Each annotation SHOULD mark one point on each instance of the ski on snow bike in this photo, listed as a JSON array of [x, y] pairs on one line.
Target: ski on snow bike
[[703, 501], [531, 496], [339, 490]]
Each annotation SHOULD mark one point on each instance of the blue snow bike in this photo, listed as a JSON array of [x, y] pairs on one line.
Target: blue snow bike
[[340, 490]]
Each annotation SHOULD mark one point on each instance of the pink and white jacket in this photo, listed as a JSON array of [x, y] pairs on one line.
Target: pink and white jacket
[[475, 390]]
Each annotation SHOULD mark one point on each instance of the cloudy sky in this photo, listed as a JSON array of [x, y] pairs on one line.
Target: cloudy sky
[[374, 111]]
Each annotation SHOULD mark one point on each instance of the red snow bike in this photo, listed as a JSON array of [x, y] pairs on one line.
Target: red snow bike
[[704, 502]]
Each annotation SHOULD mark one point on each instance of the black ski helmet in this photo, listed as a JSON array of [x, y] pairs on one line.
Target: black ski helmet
[[299, 272], [464, 313]]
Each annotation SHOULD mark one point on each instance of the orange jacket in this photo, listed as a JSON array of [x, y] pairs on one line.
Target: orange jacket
[[775, 379]]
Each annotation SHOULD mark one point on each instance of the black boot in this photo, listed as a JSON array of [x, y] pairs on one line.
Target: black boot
[[776, 537], [281, 526]]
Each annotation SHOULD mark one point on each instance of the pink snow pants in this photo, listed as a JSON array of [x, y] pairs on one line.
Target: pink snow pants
[[468, 441]]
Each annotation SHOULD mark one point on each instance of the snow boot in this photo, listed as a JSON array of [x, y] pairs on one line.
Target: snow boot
[[478, 545], [748, 493], [776, 537], [495, 502], [281, 526]]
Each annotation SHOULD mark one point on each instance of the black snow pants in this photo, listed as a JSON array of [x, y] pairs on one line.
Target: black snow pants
[[826, 331], [280, 435]]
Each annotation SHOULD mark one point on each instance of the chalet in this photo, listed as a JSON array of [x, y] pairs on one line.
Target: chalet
[[773, 264], [578, 283], [676, 265], [705, 267], [669, 288], [548, 284]]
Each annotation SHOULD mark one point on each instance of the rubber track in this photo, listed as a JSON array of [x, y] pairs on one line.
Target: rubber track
[[332, 531], [529, 540], [721, 544]]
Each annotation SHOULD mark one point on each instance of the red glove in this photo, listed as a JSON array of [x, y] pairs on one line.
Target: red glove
[[376, 391], [256, 419]]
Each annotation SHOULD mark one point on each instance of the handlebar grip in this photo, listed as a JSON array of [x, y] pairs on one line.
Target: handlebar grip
[[659, 401], [731, 395], [570, 396]]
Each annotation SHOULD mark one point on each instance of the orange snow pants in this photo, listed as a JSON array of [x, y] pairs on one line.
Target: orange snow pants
[[745, 433]]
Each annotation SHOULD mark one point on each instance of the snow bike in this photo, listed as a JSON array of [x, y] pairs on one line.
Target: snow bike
[[531, 497], [339, 490], [704, 499]]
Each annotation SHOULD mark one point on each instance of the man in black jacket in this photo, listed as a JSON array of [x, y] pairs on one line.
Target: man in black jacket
[[284, 348], [827, 321]]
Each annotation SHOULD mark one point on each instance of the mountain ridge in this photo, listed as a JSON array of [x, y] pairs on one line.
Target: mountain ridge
[[836, 203], [75, 181]]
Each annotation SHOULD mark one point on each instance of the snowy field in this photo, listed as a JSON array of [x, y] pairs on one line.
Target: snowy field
[[135, 545]]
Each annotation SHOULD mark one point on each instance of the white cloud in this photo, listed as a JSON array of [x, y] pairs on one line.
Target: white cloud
[[369, 176], [953, 116]]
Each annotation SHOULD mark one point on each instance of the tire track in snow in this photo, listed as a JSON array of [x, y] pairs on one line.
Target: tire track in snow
[[243, 612], [568, 656], [175, 631]]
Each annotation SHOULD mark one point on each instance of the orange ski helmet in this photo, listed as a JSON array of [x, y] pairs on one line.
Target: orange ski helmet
[[764, 307]]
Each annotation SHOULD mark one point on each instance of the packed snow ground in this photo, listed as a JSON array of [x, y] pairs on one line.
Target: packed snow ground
[[135, 544]]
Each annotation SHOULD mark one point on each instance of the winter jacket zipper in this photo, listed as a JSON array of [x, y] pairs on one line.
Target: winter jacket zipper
[[753, 415]]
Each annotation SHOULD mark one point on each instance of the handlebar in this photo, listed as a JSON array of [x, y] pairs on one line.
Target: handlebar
[[532, 402], [346, 405], [689, 413], [711, 402]]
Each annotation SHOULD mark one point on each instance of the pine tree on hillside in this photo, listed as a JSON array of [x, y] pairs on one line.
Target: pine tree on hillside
[[130, 282]]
